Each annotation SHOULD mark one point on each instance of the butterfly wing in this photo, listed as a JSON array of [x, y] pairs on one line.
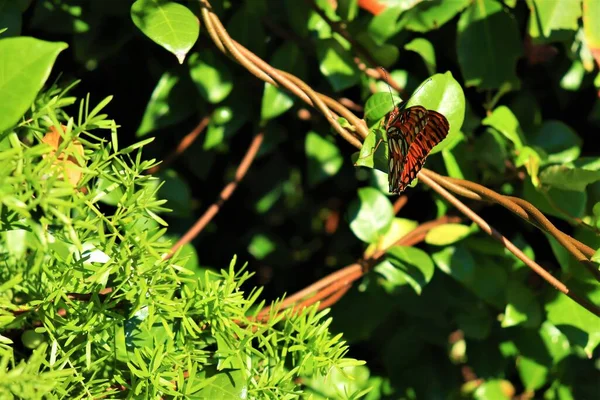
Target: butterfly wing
[[412, 133]]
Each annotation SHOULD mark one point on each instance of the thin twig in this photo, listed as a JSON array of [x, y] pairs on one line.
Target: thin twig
[[223, 197], [183, 145]]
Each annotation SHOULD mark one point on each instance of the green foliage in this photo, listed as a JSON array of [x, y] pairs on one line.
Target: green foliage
[[89, 305]]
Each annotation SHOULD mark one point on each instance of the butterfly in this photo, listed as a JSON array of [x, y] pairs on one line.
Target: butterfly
[[411, 134]]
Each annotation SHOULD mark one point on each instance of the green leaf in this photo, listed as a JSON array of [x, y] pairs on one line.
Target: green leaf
[[383, 54], [522, 306], [556, 342], [565, 204], [533, 374], [425, 49], [491, 148], [452, 165], [531, 159], [336, 64], [385, 25], [168, 24], [276, 101], [591, 27], [572, 80], [227, 384], [442, 93], [398, 229], [347, 9], [552, 21], [323, 158], [443, 235], [488, 46], [218, 132], [568, 178], [579, 325], [177, 193], [494, 390], [379, 105], [26, 64], [406, 265], [430, 15], [172, 100], [338, 384], [475, 321], [261, 246], [505, 122], [457, 262], [559, 141], [370, 216], [373, 153], [10, 18], [211, 76]]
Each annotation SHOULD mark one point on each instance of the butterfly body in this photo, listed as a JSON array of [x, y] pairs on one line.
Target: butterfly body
[[411, 134]]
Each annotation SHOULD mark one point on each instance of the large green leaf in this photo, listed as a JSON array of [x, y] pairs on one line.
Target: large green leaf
[[522, 306], [558, 140], [227, 384], [457, 262], [172, 100], [555, 20], [443, 235], [581, 327], [429, 15], [323, 158], [169, 24], [379, 105], [404, 265], [370, 216], [385, 25], [336, 64], [488, 46], [425, 49], [591, 25], [211, 76], [564, 204], [177, 193], [568, 178], [504, 121], [25, 64]]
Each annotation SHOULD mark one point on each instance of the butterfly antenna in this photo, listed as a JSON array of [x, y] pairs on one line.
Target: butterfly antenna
[[387, 80]]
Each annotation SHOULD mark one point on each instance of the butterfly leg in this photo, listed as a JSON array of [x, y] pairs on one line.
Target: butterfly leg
[[373, 150]]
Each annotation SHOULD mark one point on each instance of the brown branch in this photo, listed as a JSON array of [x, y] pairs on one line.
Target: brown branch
[[400, 203], [223, 197], [336, 284], [425, 178], [325, 105], [183, 145], [523, 209]]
